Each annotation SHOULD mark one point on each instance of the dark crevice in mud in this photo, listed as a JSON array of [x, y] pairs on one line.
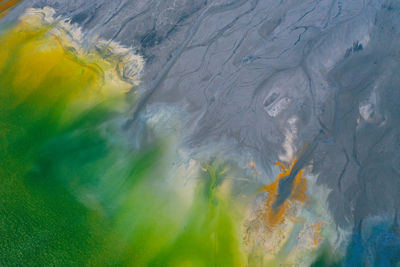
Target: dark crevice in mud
[[176, 54]]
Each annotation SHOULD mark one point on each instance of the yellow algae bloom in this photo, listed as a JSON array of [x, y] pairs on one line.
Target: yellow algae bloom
[[76, 74], [58, 92]]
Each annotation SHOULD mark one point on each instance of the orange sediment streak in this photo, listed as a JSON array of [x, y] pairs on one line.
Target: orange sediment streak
[[6, 5], [274, 216], [317, 232], [252, 164]]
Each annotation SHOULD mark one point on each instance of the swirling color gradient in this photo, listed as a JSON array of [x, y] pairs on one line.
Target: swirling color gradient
[[76, 190]]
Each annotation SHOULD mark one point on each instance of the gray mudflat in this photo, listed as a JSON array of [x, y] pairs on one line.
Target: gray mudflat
[[250, 71]]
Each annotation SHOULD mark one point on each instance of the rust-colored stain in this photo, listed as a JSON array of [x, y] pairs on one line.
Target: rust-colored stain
[[252, 164], [6, 5], [317, 237], [274, 216]]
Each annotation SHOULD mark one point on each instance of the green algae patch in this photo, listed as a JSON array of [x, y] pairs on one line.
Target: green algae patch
[[74, 190]]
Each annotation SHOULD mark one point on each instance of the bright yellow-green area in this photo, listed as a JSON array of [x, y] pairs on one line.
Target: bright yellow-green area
[[73, 190], [161, 232], [35, 63], [52, 101]]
